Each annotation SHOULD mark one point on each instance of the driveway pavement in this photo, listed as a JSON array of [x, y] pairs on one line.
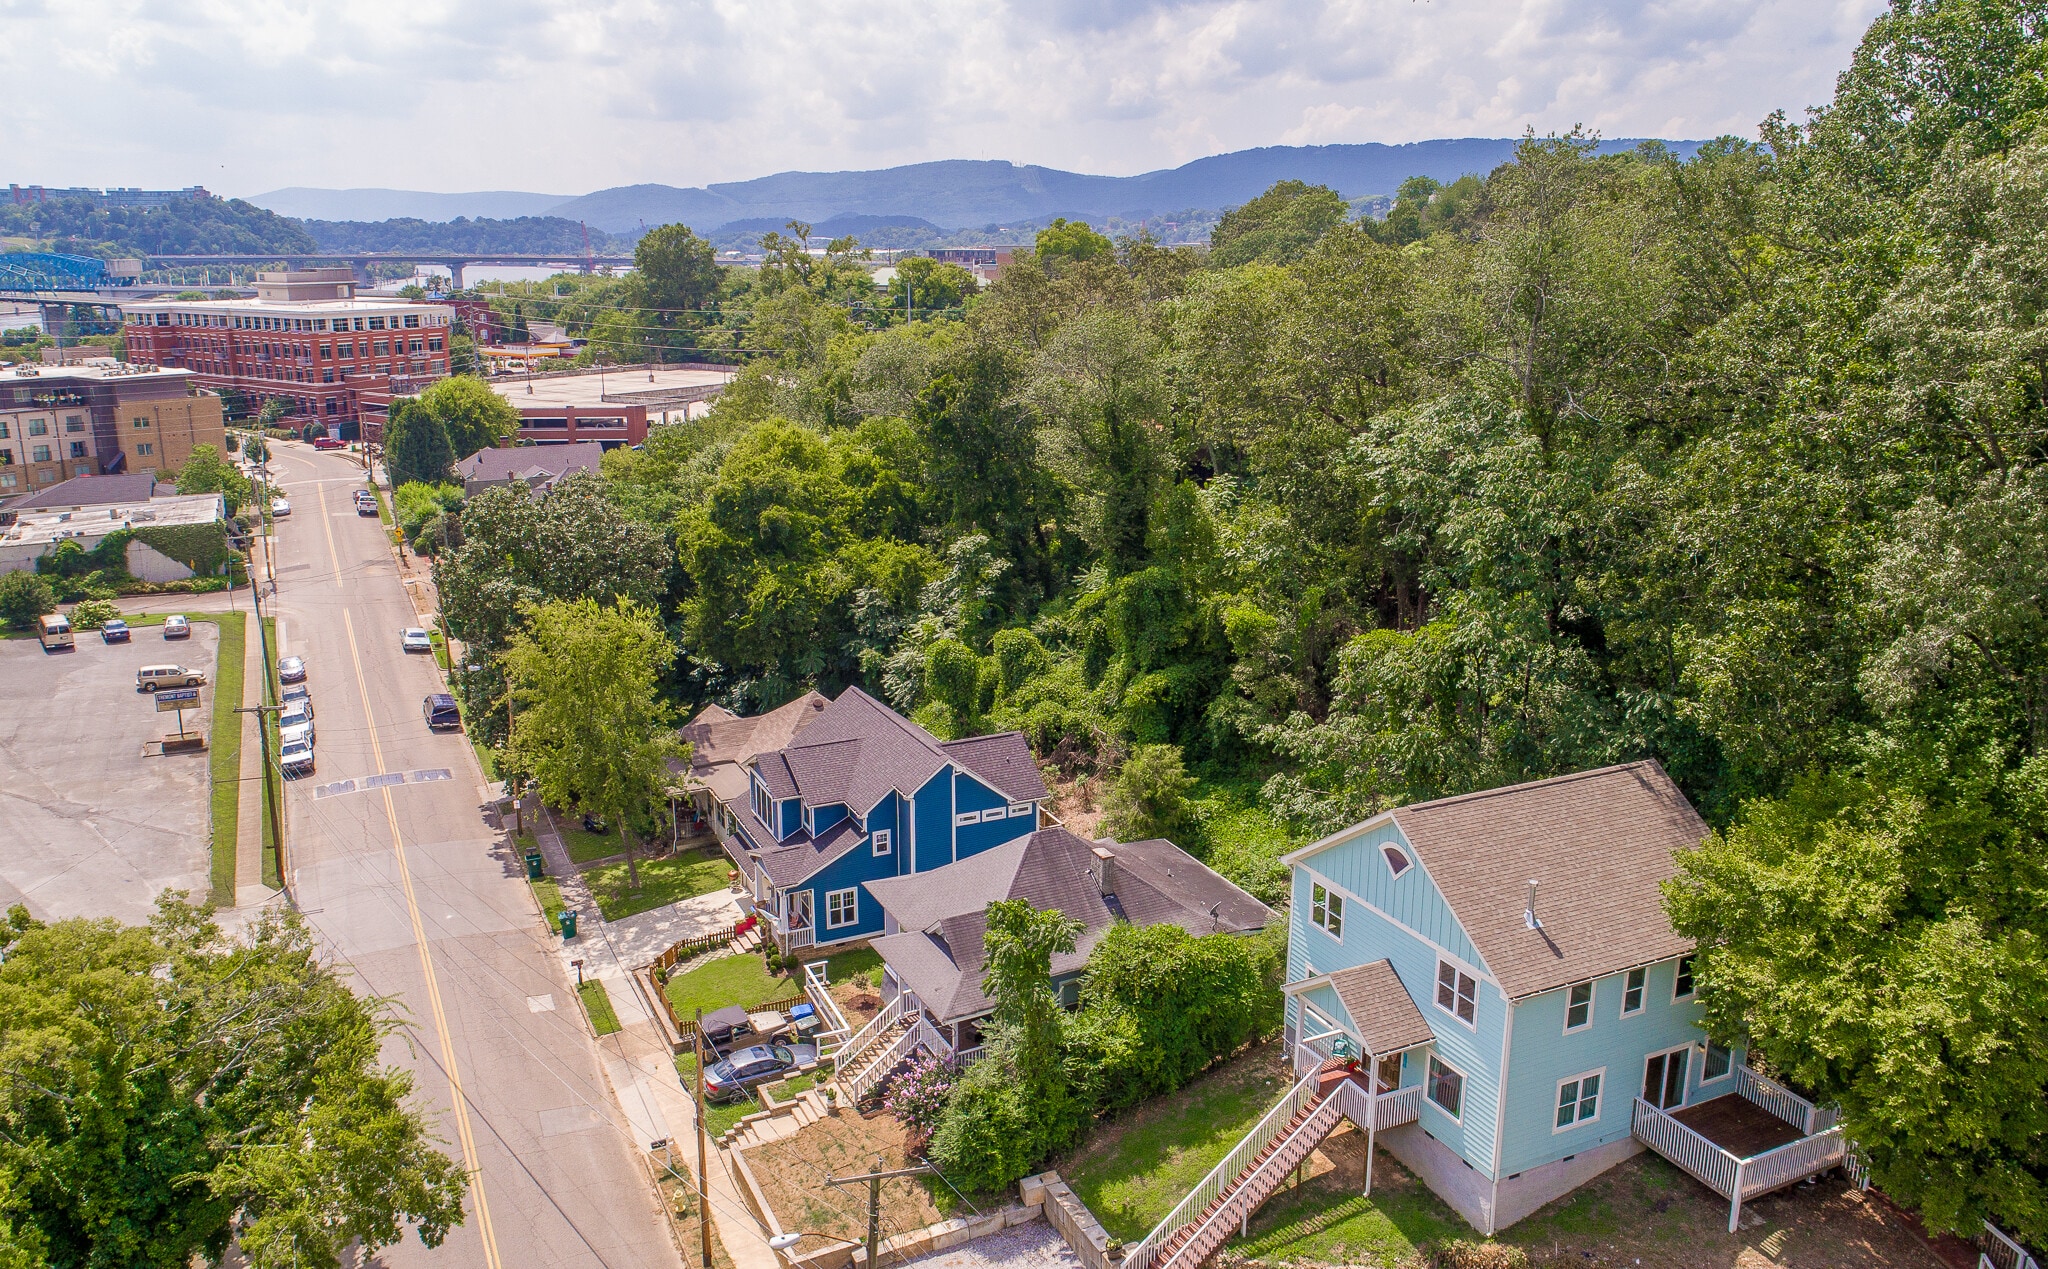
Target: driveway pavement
[[94, 826]]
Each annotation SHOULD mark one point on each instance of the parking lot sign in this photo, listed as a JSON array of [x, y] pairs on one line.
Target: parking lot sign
[[179, 698]]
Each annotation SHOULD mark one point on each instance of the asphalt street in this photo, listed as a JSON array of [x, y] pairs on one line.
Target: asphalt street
[[393, 861]]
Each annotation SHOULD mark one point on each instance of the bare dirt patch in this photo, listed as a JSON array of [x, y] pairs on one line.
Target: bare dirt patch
[[792, 1174]]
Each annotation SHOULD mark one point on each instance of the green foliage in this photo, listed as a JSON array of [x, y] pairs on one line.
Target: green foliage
[[474, 417], [523, 235], [1149, 797], [926, 288], [417, 447], [207, 472], [677, 269], [185, 226], [1064, 242], [203, 548], [1279, 225], [91, 614], [426, 515], [173, 1089], [25, 596]]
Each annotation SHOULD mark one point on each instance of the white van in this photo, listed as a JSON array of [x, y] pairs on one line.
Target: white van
[[151, 677], [55, 631]]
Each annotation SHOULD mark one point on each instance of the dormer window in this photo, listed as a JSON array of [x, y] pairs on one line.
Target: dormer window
[[1397, 859]]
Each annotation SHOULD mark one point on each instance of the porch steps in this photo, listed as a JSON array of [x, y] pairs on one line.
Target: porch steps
[[783, 1122], [857, 1070], [1203, 1237]]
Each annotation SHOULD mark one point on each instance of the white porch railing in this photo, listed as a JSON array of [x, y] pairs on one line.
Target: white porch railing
[[859, 1083], [1998, 1251], [1762, 1173], [968, 1057], [1197, 1200], [1698, 1157], [833, 1028], [1250, 1193], [859, 1042], [1401, 1106], [1782, 1102]]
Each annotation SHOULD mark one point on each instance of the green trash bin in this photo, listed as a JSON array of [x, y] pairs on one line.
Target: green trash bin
[[533, 872], [568, 923]]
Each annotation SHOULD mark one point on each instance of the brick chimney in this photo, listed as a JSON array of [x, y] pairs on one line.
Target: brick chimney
[[1104, 869]]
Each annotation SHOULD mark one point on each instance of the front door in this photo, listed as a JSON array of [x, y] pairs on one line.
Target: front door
[[1664, 1078], [1387, 1073]]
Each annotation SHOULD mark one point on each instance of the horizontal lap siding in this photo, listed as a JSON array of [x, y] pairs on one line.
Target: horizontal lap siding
[[1473, 1051], [850, 870], [933, 807], [1544, 1054]]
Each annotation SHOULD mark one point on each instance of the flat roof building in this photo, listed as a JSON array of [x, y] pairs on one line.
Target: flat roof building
[[99, 418], [305, 338], [35, 533], [613, 405]]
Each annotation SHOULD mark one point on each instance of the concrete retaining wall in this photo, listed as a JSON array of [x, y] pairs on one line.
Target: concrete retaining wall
[[1065, 1211]]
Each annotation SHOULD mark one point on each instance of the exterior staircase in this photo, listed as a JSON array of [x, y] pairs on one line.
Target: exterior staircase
[[773, 1125], [890, 1048]]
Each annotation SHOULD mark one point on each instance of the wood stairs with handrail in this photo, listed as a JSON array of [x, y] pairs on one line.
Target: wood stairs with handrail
[[1204, 1236]]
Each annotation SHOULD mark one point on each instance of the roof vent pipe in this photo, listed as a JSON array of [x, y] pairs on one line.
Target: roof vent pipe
[[1529, 913]]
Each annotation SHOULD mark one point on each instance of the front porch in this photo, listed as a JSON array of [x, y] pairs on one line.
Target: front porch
[[1759, 1138]]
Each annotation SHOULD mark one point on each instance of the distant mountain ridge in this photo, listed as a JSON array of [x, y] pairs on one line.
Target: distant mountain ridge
[[952, 193]]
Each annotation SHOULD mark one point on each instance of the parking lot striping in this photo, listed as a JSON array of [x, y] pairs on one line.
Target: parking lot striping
[[463, 1132], [327, 521]]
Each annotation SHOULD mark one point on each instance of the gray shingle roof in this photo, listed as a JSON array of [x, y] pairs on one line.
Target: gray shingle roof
[[1003, 760], [1052, 869], [530, 462], [1600, 844]]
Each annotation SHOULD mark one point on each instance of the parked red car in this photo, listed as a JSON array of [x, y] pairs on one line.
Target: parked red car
[[327, 442]]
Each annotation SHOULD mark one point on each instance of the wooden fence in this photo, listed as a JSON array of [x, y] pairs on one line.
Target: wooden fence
[[690, 948], [687, 1027]]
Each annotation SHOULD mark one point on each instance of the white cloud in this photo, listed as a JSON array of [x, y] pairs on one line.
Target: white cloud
[[580, 94]]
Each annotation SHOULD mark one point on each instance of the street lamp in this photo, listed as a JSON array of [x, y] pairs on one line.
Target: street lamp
[[783, 1242]]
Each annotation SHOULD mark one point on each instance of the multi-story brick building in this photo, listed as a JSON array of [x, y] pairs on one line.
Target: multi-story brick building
[[307, 338], [99, 418]]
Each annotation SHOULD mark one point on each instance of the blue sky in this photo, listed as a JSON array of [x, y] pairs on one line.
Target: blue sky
[[565, 96]]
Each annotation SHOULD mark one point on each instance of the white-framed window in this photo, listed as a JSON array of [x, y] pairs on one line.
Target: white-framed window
[[880, 839], [1445, 1086], [1578, 1007], [1681, 982], [842, 907], [1718, 1065], [1326, 910], [966, 817], [1457, 993], [1578, 1100], [1019, 808], [1397, 859], [1632, 990]]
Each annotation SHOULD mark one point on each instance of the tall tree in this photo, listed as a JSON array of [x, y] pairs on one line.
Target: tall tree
[[171, 1089], [474, 416], [593, 727], [207, 472], [416, 445], [678, 272]]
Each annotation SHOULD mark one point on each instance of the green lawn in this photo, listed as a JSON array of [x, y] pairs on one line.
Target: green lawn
[[440, 649], [740, 979], [224, 759], [597, 1002], [550, 896], [844, 965], [1132, 1170], [584, 846], [662, 881], [272, 876]]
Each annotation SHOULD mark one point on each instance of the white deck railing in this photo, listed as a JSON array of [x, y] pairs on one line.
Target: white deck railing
[[833, 1027], [1253, 1190], [1780, 1101], [1197, 1200], [858, 1043], [1700, 1158], [1762, 1173], [859, 1083], [968, 1057], [1998, 1251], [1401, 1106]]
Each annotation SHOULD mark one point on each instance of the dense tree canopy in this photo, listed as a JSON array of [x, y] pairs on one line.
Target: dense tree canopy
[[1734, 462]]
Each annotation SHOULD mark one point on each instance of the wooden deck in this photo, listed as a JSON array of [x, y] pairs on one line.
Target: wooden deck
[[1737, 1125]]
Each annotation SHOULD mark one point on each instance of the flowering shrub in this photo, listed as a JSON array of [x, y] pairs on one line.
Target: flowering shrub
[[917, 1097]]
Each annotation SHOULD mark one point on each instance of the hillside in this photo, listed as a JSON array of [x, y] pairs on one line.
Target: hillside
[[953, 193], [189, 227]]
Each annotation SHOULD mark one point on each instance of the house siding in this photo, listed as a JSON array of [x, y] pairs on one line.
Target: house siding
[[1411, 899], [850, 870], [970, 794], [888, 814], [934, 812], [789, 816], [1544, 1054], [824, 817], [1474, 1051]]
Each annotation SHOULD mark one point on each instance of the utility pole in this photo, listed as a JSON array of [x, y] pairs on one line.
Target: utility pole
[[703, 1178], [262, 713], [874, 1183]]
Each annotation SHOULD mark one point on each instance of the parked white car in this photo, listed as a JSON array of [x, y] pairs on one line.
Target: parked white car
[[414, 639], [295, 722], [280, 507], [296, 757]]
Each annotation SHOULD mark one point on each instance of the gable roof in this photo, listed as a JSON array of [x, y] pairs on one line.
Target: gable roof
[[941, 912], [1382, 1012], [717, 735], [531, 462], [1600, 844], [857, 750], [1003, 762]]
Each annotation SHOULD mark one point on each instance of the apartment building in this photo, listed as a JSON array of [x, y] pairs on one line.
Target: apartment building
[[99, 418], [307, 338]]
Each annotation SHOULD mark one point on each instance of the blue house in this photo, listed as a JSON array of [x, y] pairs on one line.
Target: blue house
[[814, 800], [1506, 955]]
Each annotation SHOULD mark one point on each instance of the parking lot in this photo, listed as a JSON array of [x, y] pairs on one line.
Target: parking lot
[[90, 825]]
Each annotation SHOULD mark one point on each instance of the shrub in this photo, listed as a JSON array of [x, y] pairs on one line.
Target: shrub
[[24, 597], [917, 1097], [94, 613], [1150, 796]]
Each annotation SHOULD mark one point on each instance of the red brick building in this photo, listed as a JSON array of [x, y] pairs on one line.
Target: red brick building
[[306, 338]]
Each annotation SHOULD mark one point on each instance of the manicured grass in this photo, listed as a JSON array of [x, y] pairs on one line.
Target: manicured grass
[[224, 757], [584, 846], [486, 757], [844, 965], [662, 881], [1132, 1170], [598, 1004], [440, 649], [783, 1090], [1327, 1222], [273, 876], [740, 979], [550, 896], [383, 505]]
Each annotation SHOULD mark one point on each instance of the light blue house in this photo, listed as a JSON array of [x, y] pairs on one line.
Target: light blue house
[[1507, 952], [817, 798]]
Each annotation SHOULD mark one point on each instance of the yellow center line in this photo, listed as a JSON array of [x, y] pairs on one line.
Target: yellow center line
[[320, 492], [419, 934]]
